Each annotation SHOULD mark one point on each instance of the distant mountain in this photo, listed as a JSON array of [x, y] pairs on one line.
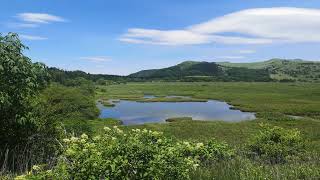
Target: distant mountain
[[187, 68], [272, 70], [285, 69]]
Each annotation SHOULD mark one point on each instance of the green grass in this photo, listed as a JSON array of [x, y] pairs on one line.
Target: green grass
[[234, 134], [98, 124]]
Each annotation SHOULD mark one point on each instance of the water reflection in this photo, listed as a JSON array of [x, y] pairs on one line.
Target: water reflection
[[131, 112]]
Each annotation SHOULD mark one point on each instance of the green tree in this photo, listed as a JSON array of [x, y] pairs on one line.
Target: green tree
[[20, 83]]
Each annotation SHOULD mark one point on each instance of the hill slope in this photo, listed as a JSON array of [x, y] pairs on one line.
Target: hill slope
[[271, 70], [207, 71]]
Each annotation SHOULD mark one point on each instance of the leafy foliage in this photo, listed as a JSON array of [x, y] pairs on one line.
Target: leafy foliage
[[70, 107], [20, 80], [21, 132], [277, 145], [140, 154]]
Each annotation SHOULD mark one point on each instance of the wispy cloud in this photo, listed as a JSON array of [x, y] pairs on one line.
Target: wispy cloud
[[183, 37], [246, 51], [32, 38], [96, 59], [21, 25], [255, 26], [41, 18], [175, 37]]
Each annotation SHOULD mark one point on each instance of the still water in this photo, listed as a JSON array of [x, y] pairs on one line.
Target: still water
[[131, 112]]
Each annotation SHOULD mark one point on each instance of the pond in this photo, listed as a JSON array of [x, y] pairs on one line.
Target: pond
[[131, 112]]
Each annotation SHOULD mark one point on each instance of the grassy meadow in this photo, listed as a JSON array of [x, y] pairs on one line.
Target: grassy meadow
[[301, 99], [271, 101], [274, 103]]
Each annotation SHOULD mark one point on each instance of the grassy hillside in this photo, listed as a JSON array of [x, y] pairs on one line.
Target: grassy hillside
[[187, 68], [284, 70], [204, 71], [271, 70], [253, 65]]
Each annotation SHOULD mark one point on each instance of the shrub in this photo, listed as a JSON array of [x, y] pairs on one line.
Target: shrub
[[65, 103], [207, 153], [139, 154], [276, 145]]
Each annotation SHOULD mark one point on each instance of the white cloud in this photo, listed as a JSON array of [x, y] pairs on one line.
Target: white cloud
[[39, 18], [96, 59], [286, 24], [183, 37], [175, 37], [231, 57], [22, 25], [32, 38], [252, 26], [246, 51]]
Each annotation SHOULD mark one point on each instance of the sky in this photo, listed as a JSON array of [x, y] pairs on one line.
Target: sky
[[124, 36]]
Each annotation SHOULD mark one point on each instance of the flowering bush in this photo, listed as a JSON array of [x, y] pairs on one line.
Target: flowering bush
[[139, 154]]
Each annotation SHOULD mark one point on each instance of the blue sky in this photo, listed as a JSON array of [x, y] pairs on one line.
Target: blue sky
[[125, 36]]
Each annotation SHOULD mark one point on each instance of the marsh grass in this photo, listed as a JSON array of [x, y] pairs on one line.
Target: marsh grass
[[301, 99], [272, 102], [242, 168]]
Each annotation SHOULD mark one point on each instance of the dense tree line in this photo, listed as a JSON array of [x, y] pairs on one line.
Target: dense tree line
[[68, 77]]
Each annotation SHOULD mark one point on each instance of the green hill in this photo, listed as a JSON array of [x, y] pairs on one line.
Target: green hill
[[204, 71], [187, 68], [271, 70]]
